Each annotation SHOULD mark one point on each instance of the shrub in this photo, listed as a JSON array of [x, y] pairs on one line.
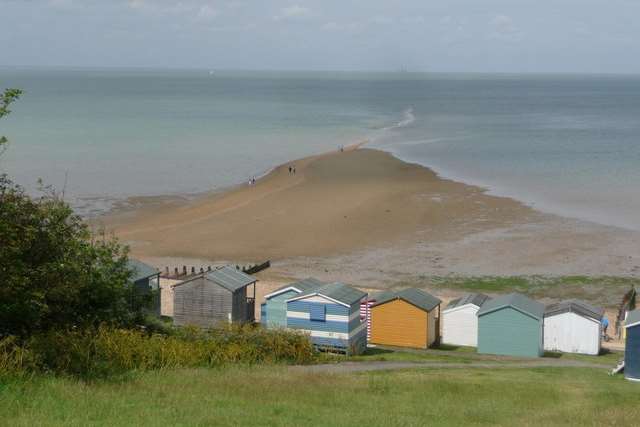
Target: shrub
[[106, 351]]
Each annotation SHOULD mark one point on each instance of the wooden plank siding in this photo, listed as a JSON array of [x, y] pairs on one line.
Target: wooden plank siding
[[398, 323], [205, 304]]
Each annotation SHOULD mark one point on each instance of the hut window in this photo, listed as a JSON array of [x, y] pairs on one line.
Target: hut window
[[318, 312]]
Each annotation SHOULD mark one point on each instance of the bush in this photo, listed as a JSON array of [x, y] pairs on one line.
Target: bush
[[106, 352]]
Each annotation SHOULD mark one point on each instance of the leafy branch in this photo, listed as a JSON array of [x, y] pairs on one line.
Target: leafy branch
[[9, 96]]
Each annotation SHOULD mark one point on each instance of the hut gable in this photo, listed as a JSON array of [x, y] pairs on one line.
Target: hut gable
[[474, 299], [573, 326], [578, 307], [515, 301], [417, 297], [274, 310], [405, 318], [511, 325], [214, 297], [230, 278], [460, 321], [331, 317]]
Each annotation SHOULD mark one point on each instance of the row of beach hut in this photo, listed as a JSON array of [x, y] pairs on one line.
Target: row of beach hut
[[339, 317], [513, 324], [342, 318]]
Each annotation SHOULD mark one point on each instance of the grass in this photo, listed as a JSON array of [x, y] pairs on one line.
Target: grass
[[276, 396], [605, 290], [459, 354], [406, 355]]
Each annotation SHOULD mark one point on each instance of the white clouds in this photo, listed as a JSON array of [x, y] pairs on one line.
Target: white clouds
[[293, 12], [503, 24], [195, 10], [61, 4], [207, 13], [136, 4], [504, 28], [352, 27]]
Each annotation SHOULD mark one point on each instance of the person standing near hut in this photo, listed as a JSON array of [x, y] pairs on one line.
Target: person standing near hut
[[605, 326]]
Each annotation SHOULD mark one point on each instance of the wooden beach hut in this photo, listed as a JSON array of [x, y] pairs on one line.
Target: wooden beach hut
[[460, 320], [573, 326], [511, 325], [213, 297], [273, 312], [406, 318], [632, 346], [330, 315], [146, 285]]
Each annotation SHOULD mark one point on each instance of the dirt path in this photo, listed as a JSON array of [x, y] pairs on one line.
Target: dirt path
[[350, 367]]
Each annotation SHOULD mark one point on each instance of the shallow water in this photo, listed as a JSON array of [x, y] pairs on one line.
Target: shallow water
[[565, 144]]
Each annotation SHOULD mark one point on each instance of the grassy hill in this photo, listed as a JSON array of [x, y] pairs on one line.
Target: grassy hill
[[282, 396]]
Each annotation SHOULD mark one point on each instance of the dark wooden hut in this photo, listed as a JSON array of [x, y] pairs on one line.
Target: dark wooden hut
[[214, 297]]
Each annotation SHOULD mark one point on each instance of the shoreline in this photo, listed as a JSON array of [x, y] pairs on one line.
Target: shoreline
[[499, 190], [133, 203], [368, 208]]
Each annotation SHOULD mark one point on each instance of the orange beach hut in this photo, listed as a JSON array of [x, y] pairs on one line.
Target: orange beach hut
[[407, 318]]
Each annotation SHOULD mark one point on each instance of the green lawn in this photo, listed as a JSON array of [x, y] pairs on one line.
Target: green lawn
[[459, 354], [606, 290], [273, 395]]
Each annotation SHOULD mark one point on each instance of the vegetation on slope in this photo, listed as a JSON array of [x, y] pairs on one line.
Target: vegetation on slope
[[106, 352], [277, 396]]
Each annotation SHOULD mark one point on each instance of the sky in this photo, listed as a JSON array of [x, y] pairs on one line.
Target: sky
[[590, 36]]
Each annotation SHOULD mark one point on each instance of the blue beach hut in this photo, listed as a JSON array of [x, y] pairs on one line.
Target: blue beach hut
[[632, 346], [330, 315], [273, 312]]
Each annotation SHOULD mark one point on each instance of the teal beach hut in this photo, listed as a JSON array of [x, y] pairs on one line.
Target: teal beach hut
[[511, 325], [330, 315], [273, 312]]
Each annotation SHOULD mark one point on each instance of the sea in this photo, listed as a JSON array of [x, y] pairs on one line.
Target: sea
[[564, 144]]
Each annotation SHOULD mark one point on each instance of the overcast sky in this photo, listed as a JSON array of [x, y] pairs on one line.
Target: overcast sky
[[601, 36]]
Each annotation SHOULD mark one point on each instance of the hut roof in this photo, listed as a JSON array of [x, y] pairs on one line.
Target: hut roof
[[140, 270], [633, 318], [301, 286], [517, 301], [339, 292], [476, 299], [230, 278], [417, 297], [574, 306]]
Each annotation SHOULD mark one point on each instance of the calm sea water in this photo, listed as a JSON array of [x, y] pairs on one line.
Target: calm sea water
[[565, 144]]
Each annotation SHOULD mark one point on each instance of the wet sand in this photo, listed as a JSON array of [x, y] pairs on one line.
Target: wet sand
[[365, 217]]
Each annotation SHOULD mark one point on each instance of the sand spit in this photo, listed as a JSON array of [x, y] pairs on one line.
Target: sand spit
[[364, 208]]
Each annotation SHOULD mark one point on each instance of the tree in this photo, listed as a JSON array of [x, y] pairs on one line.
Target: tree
[[53, 272], [6, 99]]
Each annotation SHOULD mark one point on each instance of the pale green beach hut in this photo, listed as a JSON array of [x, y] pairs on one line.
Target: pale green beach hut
[[511, 325]]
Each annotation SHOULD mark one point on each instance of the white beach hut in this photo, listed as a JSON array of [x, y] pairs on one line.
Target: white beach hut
[[460, 321], [573, 326]]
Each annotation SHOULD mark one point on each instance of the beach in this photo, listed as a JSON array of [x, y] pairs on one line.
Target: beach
[[364, 217]]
